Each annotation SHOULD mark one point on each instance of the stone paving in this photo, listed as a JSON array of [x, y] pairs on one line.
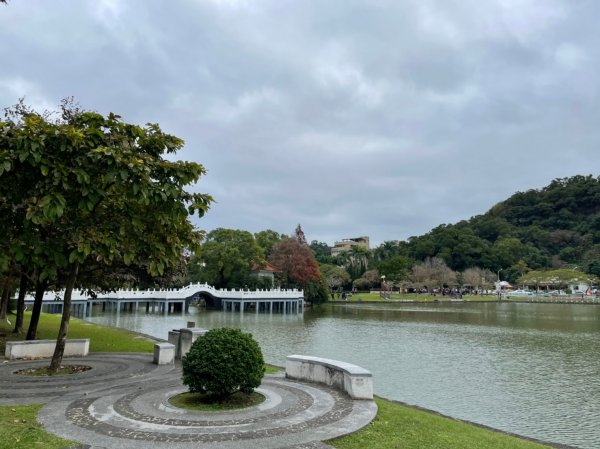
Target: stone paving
[[122, 402]]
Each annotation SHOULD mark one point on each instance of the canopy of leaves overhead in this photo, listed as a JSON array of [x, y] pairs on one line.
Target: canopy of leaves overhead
[[90, 186], [87, 190]]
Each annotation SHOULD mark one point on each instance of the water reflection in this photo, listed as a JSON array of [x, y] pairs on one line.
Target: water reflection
[[532, 369]]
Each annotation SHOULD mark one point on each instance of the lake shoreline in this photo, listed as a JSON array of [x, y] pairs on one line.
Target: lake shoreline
[[429, 411], [433, 353]]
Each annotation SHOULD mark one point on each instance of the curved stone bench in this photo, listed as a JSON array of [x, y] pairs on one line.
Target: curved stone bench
[[33, 349], [354, 380]]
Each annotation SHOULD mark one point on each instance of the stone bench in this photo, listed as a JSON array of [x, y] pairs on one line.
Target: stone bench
[[354, 380], [164, 353], [33, 349]]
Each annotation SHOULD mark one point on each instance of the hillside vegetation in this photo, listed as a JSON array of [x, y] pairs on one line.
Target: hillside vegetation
[[555, 227], [552, 227]]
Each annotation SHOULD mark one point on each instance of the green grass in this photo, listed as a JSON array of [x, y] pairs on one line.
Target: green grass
[[204, 403], [401, 427], [102, 339], [272, 369], [20, 430]]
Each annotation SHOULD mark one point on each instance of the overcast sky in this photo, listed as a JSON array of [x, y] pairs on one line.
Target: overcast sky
[[378, 118]]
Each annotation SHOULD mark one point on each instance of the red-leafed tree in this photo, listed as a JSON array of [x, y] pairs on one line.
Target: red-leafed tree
[[296, 262], [299, 268]]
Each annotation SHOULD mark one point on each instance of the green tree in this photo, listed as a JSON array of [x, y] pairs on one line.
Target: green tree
[[508, 252], [229, 255], [322, 252], [355, 261], [594, 268], [267, 239], [335, 277], [492, 228], [99, 189], [394, 269]]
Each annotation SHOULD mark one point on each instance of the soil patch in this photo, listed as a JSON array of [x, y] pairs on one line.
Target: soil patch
[[62, 371]]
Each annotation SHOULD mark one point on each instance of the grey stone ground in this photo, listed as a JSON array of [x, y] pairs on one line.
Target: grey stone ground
[[122, 402]]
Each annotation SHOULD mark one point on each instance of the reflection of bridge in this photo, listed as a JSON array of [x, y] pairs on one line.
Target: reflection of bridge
[[178, 300]]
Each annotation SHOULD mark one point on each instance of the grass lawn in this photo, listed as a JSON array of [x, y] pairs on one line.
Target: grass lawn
[[20, 430], [272, 369], [400, 427], [102, 339]]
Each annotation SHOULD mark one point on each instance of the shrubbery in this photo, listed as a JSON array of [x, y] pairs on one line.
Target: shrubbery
[[222, 362]]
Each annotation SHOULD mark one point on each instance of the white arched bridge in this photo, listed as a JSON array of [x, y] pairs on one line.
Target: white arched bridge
[[177, 300]]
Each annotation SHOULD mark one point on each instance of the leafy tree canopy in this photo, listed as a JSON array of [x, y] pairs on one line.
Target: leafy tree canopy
[[88, 188], [322, 252], [335, 277], [557, 277], [267, 239], [299, 268], [227, 257]]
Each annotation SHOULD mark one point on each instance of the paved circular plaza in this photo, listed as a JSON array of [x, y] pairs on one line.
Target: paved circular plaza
[[122, 402]]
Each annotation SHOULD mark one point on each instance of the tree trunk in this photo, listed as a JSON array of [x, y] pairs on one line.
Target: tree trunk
[[64, 322], [5, 299], [40, 289], [23, 284]]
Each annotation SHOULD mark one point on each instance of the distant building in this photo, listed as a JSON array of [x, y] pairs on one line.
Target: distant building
[[265, 271], [345, 245], [579, 287]]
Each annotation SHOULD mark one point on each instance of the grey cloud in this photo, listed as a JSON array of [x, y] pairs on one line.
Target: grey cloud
[[377, 118]]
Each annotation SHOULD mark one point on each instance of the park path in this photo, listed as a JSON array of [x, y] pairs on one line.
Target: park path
[[122, 402]]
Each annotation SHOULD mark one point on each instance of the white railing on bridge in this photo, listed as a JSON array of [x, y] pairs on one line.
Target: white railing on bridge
[[175, 294]]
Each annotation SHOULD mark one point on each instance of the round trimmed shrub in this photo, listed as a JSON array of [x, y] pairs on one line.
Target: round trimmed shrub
[[223, 361]]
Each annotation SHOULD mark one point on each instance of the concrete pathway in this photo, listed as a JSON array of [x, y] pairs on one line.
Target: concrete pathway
[[122, 402]]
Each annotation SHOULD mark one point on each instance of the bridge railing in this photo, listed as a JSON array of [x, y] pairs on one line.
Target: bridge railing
[[175, 294]]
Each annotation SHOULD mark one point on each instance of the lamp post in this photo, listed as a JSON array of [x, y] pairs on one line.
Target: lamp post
[[498, 287], [383, 286]]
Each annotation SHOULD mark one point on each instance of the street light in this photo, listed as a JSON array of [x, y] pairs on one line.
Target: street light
[[498, 287]]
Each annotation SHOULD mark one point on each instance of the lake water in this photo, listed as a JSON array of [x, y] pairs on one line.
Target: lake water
[[531, 369]]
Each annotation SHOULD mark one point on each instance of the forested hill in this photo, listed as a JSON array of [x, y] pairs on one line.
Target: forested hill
[[555, 226]]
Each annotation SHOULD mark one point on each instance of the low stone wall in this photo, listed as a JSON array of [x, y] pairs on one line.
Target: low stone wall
[[354, 380], [34, 349]]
